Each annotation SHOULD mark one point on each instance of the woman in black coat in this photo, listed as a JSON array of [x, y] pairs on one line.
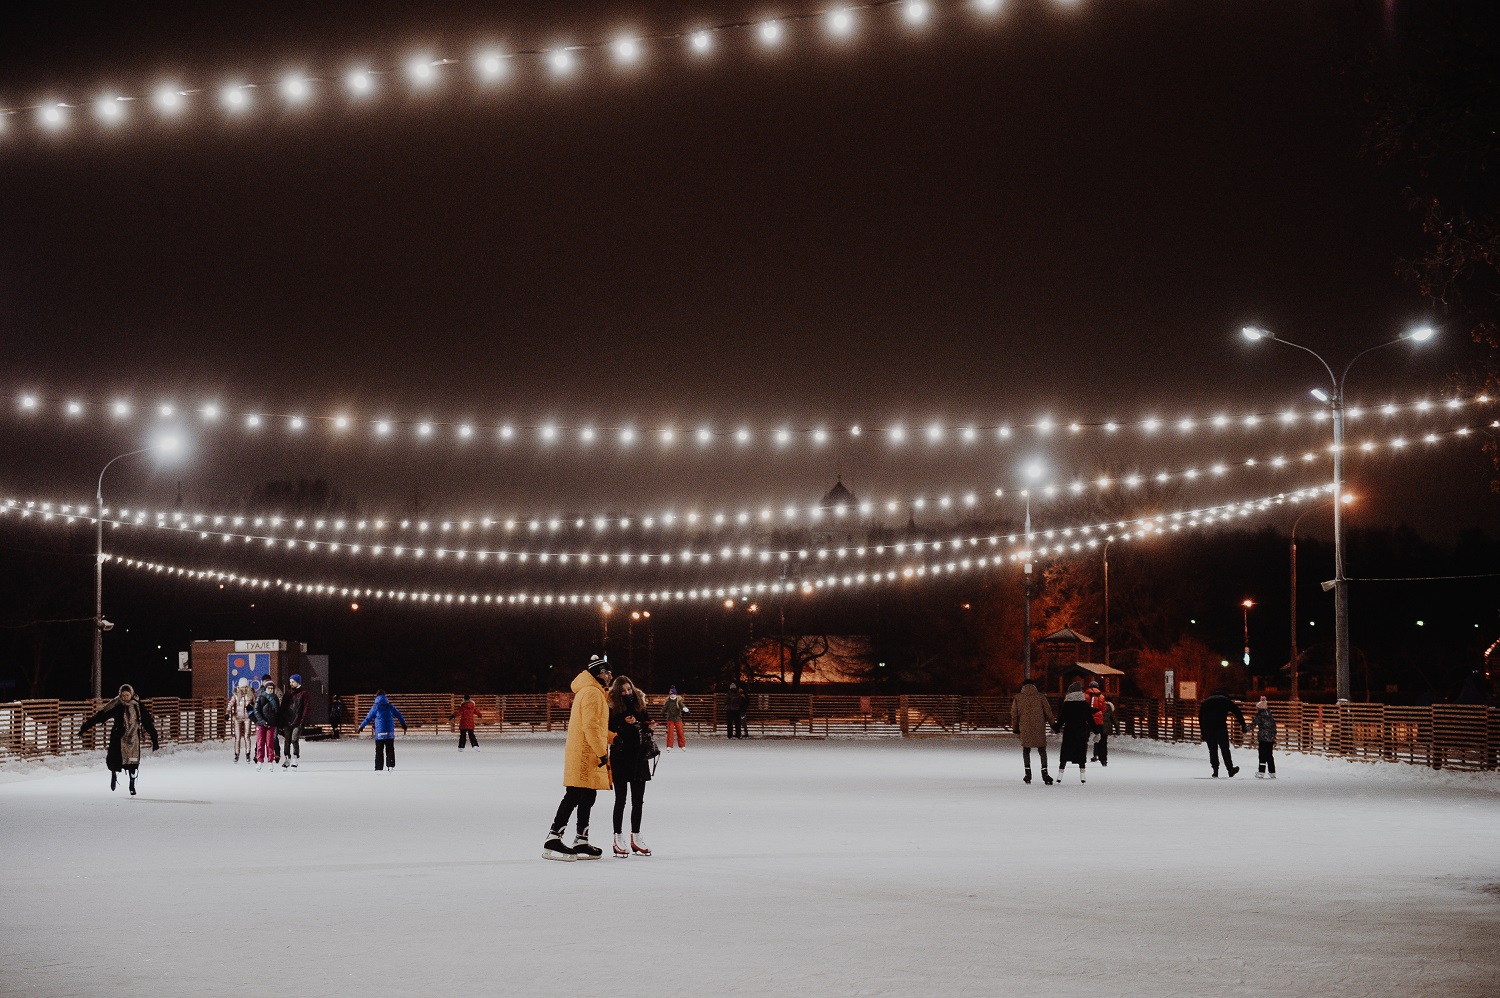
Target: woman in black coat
[[1076, 721], [628, 762], [131, 718]]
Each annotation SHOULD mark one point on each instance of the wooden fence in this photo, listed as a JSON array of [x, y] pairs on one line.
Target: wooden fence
[[1443, 737]]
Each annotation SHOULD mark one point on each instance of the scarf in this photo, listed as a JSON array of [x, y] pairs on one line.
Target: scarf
[[128, 727]]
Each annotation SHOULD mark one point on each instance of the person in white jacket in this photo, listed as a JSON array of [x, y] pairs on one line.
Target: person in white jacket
[[241, 727]]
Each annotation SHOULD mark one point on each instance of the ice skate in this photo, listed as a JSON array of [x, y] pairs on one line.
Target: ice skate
[[1027, 777], [114, 780], [622, 850], [1270, 776], [132, 786], [1047, 779], [638, 845], [554, 848], [582, 849], [1080, 777], [286, 764], [1232, 771], [294, 763], [1261, 775]]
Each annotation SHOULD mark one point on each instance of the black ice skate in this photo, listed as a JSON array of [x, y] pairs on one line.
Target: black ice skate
[[1027, 777], [582, 849], [554, 848], [1046, 778]]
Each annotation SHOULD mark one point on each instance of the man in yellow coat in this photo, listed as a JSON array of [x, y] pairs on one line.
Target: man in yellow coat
[[585, 763]]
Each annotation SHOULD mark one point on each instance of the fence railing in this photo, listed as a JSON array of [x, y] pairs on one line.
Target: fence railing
[[1443, 737]]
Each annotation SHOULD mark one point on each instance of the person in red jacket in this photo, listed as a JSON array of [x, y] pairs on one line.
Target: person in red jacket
[[1095, 697], [465, 714]]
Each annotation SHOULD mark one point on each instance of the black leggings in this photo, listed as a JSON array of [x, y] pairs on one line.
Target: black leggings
[[637, 790], [385, 753], [583, 799], [1026, 754], [469, 734], [1268, 761]]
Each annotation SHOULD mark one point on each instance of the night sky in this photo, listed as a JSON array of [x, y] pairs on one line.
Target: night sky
[[1069, 210]]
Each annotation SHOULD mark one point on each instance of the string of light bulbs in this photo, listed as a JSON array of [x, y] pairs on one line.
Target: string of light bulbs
[[488, 68], [690, 436], [688, 557], [332, 533], [925, 570]]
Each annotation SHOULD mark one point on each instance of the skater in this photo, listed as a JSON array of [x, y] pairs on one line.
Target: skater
[[239, 712], [673, 711], [130, 718], [382, 718], [1030, 714], [293, 714], [1265, 738], [1096, 702], [1076, 721], [267, 711], [337, 712], [1101, 746], [629, 762], [1213, 722], [465, 715], [585, 762], [735, 706]]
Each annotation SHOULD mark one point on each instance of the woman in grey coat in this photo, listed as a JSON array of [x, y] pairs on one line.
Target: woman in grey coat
[[1030, 715]]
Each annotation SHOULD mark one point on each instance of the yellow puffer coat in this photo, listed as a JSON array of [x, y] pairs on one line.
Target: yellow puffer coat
[[588, 735]]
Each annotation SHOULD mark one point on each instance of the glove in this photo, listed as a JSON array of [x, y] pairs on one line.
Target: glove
[[403, 729], [603, 761]]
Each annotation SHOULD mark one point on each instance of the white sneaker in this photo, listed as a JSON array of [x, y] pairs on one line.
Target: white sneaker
[[638, 845], [622, 851]]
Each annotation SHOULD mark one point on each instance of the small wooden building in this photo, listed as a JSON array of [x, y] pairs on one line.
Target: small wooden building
[[1066, 656]]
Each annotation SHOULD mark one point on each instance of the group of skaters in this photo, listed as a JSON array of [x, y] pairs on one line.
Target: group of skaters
[[266, 723], [1085, 714]]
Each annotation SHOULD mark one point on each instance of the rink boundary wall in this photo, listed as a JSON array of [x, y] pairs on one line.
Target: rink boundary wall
[[1455, 737]]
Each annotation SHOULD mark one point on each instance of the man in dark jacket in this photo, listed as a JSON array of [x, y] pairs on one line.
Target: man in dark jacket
[[735, 706], [293, 714], [1213, 722]]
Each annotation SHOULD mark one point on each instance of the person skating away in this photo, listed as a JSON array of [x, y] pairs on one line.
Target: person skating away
[[1213, 722], [1030, 716], [383, 718], [735, 706], [336, 714], [1095, 698], [1265, 739], [673, 711], [465, 714], [630, 724], [1076, 722], [267, 713], [1101, 745], [241, 724], [293, 715], [131, 719], [585, 762]]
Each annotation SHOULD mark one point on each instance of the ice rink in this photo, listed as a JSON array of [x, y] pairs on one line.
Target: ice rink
[[781, 868]]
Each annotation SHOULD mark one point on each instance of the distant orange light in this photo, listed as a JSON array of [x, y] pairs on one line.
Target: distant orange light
[[354, 606], [729, 604]]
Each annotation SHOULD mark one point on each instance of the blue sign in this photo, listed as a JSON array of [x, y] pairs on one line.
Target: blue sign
[[250, 665]]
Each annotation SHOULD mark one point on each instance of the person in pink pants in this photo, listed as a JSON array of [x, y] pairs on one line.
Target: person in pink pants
[[267, 710], [673, 711]]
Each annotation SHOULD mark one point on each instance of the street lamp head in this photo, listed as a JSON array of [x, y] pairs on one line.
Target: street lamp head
[[1321, 396], [606, 608], [1419, 335], [1348, 497], [1254, 333], [169, 444], [1247, 604], [1033, 470]]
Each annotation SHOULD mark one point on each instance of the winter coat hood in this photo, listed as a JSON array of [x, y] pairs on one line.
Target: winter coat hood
[[1075, 695], [1030, 714], [383, 717], [584, 680]]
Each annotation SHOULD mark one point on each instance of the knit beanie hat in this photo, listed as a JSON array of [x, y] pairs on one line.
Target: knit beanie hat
[[243, 684], [297, 678], [1262, 705], [672, 690], [598, 664]]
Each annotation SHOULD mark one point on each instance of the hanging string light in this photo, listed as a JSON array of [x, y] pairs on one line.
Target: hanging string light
[[703, 437], [933, 568]]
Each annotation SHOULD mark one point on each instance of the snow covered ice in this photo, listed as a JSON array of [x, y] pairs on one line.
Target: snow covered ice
[[804, 868]]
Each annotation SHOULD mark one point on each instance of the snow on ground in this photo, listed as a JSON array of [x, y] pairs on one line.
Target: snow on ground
[[808, 868]]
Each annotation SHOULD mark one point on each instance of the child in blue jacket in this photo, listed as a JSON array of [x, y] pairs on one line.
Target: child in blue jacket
[[383, 716]]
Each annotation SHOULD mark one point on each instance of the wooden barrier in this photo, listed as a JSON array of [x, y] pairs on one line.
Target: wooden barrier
[[1443, 737]]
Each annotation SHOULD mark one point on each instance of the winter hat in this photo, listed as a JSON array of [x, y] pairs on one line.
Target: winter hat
[[297, 678], [1077, 687], [1093, 685], [1262, 705], [733, 687], [243, 684], [598, 664], [672, 690]]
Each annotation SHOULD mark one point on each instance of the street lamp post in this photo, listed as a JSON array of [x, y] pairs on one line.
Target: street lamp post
[[100, 624], [1246, 605], [605, 609], [1335, 402], [1107, 542], [1026, 657], [1293, 665]]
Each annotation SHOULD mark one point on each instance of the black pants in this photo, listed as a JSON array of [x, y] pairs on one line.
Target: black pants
[[1267, 761], [1026, 754], [737, 727], [583, 799], [1101, 749], [469, 734], [385, 753], [292, 740], [637, 790], [1219, 744]]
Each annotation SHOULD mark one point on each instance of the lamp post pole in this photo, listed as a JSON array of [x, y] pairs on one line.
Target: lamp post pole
[[1246, 605], [97, 673], [1026, 655], [1294, 664], [1335, 402], [1107, 542]]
